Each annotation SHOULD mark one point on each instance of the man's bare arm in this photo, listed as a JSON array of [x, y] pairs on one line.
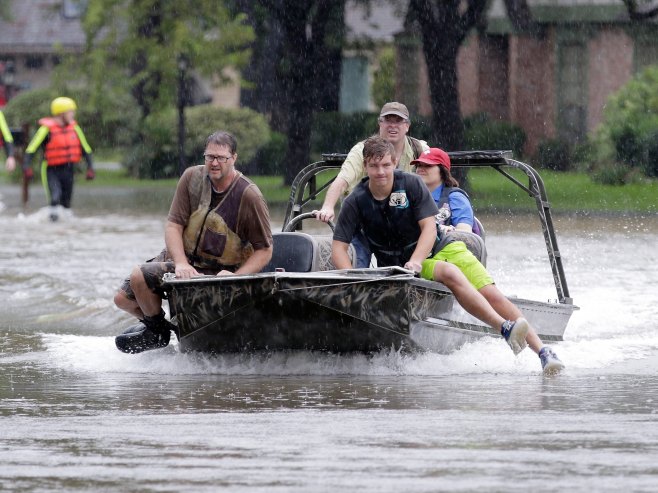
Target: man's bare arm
[[256, 262], [339, 255], [425, 243], [176, 250], [336, 189]]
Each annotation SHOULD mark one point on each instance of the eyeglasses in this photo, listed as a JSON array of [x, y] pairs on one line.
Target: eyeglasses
[[392, 120], [209, 158]]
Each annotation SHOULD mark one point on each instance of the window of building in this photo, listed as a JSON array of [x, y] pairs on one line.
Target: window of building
[[572, 91], [73, 9], [354, 85], [646, 53], [34, 62]]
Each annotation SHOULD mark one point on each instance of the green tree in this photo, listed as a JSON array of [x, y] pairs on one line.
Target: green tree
[[630, 123], [306, 41], [136, 47], [383, 84], [5, 10], [444, 26]]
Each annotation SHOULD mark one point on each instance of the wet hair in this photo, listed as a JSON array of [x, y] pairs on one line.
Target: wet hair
[[376, 148], [448, 179], [223, 138]]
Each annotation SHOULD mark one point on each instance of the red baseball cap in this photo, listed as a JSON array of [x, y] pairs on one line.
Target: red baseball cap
[[433, 157]]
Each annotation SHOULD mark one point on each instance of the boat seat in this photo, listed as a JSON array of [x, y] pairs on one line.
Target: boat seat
[[292, 252], [301, 252], [474, 243], [479, 227], [323, 260]]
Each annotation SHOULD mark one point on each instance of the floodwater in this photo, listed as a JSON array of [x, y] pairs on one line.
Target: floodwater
[[77, 415]]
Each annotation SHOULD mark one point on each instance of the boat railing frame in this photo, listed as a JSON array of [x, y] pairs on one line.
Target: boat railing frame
[[305, 189]]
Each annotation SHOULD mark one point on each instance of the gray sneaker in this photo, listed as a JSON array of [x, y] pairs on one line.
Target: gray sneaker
[[514, 333], [550, 363]]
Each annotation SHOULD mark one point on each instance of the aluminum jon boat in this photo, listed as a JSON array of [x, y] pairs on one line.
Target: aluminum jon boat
[[300, 302]]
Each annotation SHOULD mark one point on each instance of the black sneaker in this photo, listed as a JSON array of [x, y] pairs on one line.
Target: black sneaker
[[139, 337]]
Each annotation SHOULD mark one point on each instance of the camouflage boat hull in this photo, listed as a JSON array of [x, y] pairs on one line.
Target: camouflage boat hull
[[339, 311]]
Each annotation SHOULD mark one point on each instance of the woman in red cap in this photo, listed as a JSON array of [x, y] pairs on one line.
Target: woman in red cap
[[456, 214]]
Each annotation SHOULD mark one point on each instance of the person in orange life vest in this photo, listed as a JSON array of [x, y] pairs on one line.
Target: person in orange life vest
[[8, 141], [64, 144]]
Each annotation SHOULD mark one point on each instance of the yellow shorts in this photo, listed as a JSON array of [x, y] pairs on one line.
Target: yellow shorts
[[456, 253]]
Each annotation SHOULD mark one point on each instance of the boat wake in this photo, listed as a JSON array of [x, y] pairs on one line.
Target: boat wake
[[93, 354]]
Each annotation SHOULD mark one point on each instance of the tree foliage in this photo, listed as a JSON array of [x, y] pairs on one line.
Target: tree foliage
[[135, 49], [158, 157], [149, 38], [630, 124], [383, 84], [308, 40], [444, 26], [5, 11]]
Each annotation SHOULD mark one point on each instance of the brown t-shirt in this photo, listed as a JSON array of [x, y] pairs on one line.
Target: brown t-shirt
[[253, 223]]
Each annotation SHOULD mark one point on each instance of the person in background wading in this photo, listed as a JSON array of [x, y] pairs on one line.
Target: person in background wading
[[396, 214], [64, 144], [394, 126], [218, 224], [8, 142], [455, 215]]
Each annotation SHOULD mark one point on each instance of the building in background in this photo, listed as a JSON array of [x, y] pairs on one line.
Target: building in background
[[33, 39], [36, 35], [369, 29], [553, 85]]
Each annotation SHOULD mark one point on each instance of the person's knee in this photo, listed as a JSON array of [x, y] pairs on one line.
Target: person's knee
[[447, 273], [120, 299], [137, 279], [123, 302]]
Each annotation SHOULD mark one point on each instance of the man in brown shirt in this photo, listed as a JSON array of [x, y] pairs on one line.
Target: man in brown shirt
[[218, 224]]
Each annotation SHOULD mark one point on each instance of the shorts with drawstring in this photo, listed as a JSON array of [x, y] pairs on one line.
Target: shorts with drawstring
[[153, 270], [457, 254]]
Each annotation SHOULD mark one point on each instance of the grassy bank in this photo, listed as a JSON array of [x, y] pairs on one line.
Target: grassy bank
[[567, 192]]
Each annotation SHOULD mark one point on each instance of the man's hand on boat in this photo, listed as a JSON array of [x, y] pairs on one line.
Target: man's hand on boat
[[325, 215], [415, 267], [185, 271]]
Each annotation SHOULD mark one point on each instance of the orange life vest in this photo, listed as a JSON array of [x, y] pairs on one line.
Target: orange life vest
[[63, 144]]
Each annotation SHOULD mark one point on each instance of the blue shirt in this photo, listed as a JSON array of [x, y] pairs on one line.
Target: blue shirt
[[460, 207]]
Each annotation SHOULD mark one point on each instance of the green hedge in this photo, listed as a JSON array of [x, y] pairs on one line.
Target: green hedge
[[105, 123], [338, 132], [157, 156], [630, 125], [555, 154], [483, 133]]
